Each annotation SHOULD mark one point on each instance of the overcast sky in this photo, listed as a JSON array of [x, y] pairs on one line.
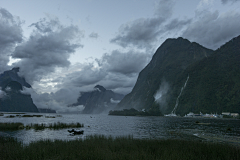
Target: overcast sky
[[64, 47]]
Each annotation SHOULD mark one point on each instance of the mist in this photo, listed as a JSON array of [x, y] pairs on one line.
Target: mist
[[57, 101], [161, 95], [2, 94]]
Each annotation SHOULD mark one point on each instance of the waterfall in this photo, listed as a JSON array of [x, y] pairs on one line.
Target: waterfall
[[176, 105]]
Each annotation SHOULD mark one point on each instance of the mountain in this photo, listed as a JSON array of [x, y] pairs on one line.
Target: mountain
[[11, 97], [9, 76], [171, 59], [214, 82], [98, 100]]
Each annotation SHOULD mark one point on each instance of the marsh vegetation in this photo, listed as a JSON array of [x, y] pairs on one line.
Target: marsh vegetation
[[41, 126], [102, 147]]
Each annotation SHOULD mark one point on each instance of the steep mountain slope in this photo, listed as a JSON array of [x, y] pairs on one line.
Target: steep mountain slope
[[12, 99], [169, 61], [214, 82], [98, 100], [9, 76]]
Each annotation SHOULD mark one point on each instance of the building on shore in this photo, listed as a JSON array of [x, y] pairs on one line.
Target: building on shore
[[234, 114]]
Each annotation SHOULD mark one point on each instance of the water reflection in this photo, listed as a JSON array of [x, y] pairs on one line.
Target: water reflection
[[138, 127]]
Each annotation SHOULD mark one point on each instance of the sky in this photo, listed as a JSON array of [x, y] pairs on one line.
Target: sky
[[64, 47]]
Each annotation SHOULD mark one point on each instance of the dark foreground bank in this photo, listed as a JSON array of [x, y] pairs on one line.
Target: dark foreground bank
[[101, 147]]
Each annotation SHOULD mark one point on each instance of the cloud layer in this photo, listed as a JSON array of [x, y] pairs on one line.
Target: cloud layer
[[49, 46], [130, 62], [117, 71], [226, 1], [57, 101], [212, 30], [143, 32], [209, 28], [10, 35]]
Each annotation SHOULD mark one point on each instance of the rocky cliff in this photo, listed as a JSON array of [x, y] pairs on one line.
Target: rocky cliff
[[214, 83], [11, 97], [171, 59]]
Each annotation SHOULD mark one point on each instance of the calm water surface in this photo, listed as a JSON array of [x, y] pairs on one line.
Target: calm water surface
[[209, 129]]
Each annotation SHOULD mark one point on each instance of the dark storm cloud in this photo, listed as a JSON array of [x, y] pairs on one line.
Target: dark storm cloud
[[49, 46], [226, 1], [124, 62], [10, 35], [142, 32], [93, 35], [212, 30], [138, 33]]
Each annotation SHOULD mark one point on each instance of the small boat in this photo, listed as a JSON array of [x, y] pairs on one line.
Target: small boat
[[73, 131]]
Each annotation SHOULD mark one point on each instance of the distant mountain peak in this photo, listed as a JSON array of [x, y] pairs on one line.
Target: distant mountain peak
[[98, 100], [180, 38], [177, 39], [101, 88], [12, 84], [12, 75]]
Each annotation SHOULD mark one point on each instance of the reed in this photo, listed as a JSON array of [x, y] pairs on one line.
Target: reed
[[32, 115], [11, 126], [60, 125], [42, 126], [18, 115], [101, 147], [10, 116], [50, 117]]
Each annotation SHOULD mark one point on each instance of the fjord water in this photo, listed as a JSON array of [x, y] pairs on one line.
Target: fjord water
[[208, 129]]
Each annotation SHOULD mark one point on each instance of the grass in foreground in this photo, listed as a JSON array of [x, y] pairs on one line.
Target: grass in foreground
[[101, 147], [55, 126]]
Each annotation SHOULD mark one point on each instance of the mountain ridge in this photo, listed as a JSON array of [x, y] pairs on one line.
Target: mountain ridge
[[12, 99], [168, 62], [214, 83]]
